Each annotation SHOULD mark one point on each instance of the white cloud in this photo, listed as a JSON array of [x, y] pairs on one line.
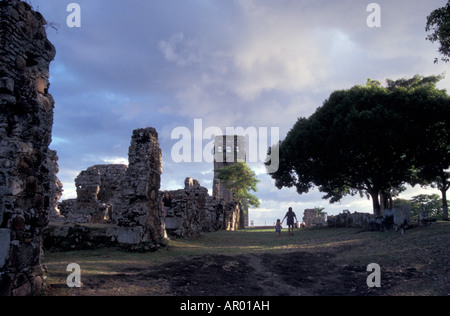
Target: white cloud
[[70, 191], [280, 53], [115, 160]]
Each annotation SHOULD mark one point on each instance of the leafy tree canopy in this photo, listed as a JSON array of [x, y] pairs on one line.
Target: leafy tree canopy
[[365, 140], [438, 22], [240, 180], [429, 202]]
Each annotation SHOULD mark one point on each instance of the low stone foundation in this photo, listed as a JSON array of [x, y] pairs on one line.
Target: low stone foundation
[[311, 218], [70, 237], [397, 219]]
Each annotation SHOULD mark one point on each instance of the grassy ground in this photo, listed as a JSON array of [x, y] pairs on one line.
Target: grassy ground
[[412, 264]]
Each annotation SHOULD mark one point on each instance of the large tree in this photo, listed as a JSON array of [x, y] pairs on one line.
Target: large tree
[[438, 22], [362, 140], [428, 133]]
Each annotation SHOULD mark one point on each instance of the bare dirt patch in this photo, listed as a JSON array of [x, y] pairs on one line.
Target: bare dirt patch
[[312, 264]]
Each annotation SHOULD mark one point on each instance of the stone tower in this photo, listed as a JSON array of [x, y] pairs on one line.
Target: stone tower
[[27, 165], [228, 150]]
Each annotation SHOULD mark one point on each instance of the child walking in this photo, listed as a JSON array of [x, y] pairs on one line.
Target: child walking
[[278, 227]]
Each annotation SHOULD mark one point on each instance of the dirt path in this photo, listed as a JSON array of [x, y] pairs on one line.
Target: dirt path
[[290, 274]]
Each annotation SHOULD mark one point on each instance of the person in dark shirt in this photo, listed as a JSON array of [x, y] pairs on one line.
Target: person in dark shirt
[[290, 215]]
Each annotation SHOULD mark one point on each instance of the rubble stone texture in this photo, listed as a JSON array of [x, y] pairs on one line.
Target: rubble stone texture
[[99, 196], [27, 166], [397, 219], [311, 218], [188, 212], [194, 212], [141, 220], [56, 186], [129, 196]]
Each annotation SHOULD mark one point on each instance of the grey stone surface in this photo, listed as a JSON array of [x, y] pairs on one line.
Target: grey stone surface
[[5, 241], [27, 165], [130, 235]]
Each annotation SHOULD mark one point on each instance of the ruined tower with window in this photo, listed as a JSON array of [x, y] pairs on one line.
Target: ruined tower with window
[[228, 150]]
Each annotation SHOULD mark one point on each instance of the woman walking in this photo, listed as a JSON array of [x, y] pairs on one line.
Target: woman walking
[[290, 215]]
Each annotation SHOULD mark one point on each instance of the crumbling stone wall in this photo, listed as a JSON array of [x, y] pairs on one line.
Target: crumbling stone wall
[[130, 197], [311, 218], [347, 219], [397, 219], [141, 221], [194, 211], [27, 166], [99, 196], [110, 192], [56, 186], [185, 218]]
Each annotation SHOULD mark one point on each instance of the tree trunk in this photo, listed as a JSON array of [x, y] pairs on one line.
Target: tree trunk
[[386, 202], [444, 204], [443, 187], [375, 202]]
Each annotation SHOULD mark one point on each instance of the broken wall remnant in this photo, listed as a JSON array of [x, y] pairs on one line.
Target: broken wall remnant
[[141, 221], [99, 196], [129, 196], [188, 212], [194, 212], [28, 184], [312, 218], [56, 186], [397, 219]]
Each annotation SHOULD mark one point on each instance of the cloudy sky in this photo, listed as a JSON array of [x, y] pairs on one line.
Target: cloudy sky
[[229, 63]]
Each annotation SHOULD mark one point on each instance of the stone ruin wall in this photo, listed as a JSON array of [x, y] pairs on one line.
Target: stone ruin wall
[[99, 195], [311, 218], [28, 183], [141, 210], [127, 196], [392, 219], [194, 212], [124, 195]]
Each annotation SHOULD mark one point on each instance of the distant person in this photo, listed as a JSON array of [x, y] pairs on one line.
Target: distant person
[[290, 215], [278, 227]]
